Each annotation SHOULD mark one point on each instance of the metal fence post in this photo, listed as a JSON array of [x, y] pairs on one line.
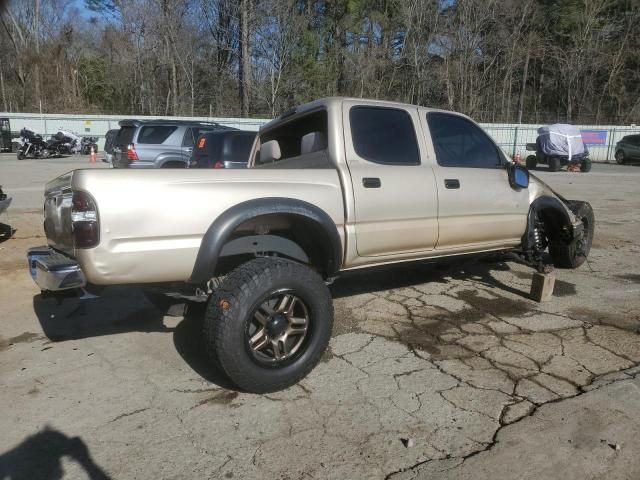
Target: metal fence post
[[612, 134], [515, 141]]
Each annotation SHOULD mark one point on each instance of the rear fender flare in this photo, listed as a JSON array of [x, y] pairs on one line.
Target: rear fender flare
[[220, 231]]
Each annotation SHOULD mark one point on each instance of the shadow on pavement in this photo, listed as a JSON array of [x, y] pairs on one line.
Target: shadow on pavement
[[122, 309], [189, 342], [478, 269], [40, 457], [118, 310]]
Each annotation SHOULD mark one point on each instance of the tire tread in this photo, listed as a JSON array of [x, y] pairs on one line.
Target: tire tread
[[238, 289]]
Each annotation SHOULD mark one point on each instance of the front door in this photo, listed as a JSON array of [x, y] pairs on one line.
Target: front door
[[396, 202], [477, 205]]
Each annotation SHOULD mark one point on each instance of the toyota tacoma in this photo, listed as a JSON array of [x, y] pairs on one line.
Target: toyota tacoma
[[334, 185]]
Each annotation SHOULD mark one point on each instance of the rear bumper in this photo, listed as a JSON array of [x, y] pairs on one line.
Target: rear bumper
[[52, 271]]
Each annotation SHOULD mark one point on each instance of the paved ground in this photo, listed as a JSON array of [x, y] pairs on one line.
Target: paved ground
[[434, 371]]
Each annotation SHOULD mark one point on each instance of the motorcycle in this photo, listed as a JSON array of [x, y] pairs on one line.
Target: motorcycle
[[87, 143], [62, 143], [32, 145]]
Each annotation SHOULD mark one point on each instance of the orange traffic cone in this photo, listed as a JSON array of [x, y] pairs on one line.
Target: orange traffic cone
[[94, 158]]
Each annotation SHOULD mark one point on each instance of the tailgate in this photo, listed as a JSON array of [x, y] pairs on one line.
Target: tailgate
[[57, 213]]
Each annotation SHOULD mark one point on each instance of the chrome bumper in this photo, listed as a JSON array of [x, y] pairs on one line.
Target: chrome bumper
[[52, 271]]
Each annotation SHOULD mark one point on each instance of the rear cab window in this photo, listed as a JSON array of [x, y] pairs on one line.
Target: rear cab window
[[301, 143]]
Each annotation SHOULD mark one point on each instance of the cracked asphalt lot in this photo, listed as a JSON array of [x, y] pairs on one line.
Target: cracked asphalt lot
[[442, 370]]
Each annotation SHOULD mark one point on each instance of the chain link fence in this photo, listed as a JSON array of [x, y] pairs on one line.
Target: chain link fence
[[513, 138], [600, 140]]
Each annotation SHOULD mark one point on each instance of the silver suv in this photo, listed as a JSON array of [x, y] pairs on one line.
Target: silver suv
[[158, 143]]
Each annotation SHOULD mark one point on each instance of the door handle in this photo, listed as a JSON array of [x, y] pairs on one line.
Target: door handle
[[371, 182], [451, 183]]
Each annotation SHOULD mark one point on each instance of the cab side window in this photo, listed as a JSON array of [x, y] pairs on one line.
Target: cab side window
[[460, 143], [384, 135]]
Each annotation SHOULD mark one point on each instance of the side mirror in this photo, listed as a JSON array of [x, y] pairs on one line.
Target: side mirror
[[518, 176]]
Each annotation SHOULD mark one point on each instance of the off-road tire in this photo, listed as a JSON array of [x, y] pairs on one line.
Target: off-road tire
[[620, 157], [531, 162], [232, 306], [585, 166], [574, 253], [554, 164]]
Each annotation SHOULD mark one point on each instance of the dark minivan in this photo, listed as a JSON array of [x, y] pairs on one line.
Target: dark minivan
[[228, 149]]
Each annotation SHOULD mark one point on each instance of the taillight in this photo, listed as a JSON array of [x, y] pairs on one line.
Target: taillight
[[84, 221], [218, 164], [131, 153]]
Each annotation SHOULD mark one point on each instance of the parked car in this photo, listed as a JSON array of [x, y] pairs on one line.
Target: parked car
[[628, 149], [331, 186], [109, 139], [227, 149], [158, 143], [559, 145]]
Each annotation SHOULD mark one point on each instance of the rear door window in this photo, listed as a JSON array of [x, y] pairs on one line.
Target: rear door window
[[384, 135], [155, 134]]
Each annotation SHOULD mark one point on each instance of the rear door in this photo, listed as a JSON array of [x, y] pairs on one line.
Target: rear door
[[477, 207], [394, 191]]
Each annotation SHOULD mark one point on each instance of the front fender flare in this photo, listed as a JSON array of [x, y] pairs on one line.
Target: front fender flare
[[538, 205]]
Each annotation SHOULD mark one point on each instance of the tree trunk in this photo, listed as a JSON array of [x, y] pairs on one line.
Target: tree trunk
[[523, 87], [4, 95], [174, 85], [36, 66], [245, 59]]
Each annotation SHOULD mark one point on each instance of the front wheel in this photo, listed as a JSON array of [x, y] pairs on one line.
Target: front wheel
[[531, 162], [21, 155], [572, 254], [585, 166], [268, 324], [620, 157]]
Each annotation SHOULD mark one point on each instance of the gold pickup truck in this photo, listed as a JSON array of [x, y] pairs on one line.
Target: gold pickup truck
[[333, 185]]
